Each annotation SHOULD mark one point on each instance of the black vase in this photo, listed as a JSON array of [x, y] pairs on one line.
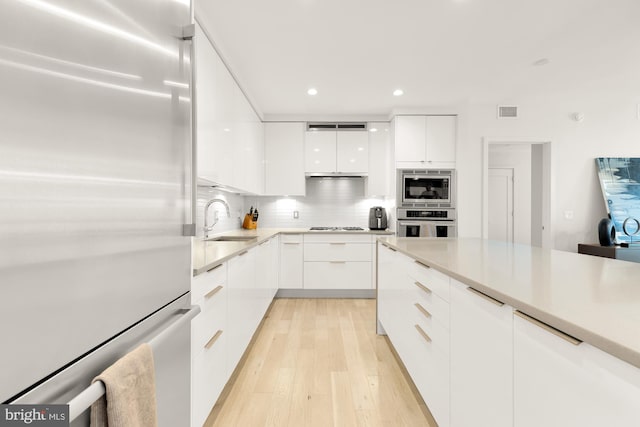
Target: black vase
[[606, 232]]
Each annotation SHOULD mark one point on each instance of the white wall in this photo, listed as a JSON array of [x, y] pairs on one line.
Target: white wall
[[610, 129], [334, 202], [518, 158]]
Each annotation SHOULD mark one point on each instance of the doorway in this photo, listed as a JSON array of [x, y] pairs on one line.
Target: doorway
[[525, 218], [501, 204]]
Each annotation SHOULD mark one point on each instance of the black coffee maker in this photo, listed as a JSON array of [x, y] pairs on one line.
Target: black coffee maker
[[377, 218]]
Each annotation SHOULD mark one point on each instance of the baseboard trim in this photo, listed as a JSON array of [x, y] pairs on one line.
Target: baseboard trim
[[327, 293]]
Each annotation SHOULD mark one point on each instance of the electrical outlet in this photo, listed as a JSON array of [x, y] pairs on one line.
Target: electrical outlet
[[296, 215]]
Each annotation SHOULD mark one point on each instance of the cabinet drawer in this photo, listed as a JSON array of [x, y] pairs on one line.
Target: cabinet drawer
[[435, 330], [213, 316], [436, 306], [432, 279], [337, 275], [337, 252], [337, 238], [209, 376], [291, 238], [205, 282]]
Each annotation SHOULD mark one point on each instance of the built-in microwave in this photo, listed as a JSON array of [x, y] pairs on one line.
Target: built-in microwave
[[424, 187]]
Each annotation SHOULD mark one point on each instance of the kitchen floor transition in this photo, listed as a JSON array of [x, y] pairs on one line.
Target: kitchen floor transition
[[319, 362]]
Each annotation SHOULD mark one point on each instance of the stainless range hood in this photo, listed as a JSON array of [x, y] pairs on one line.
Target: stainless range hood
[[334, 175]]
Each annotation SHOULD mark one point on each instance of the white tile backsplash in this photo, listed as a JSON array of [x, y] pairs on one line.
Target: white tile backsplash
[[331, 202]]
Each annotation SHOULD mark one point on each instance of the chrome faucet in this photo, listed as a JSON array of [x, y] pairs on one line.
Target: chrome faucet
[[207, 227]]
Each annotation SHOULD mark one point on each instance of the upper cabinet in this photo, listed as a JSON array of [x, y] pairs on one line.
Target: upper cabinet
[[425, 141], [328, 151], [284, 159], [229, 132], [380, 179]]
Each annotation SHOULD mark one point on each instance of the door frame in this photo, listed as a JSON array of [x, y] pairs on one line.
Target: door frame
[[547, 182]]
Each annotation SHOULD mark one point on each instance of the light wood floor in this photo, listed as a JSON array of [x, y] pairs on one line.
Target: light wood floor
[[319, 362]]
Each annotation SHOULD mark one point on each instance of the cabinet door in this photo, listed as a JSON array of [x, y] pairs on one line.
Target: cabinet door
[[284, 159], [337, 275], [481, 359], [242, 320], [320, 151], [352, 151], [441, 139], [291, 261], [214, 112], [558, 383], [380, 165], [410, 138]]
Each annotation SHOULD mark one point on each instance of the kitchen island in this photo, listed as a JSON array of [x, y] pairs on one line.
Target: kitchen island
[[512, 334]]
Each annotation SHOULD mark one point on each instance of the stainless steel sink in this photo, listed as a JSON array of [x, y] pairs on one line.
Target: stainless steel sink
[[231, 239]]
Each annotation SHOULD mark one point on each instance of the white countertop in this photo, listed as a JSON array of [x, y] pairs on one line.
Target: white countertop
[[595, 299], [208, 254]]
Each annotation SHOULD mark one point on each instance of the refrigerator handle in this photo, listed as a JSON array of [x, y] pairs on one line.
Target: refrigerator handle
[[188, 35], [95, 391]]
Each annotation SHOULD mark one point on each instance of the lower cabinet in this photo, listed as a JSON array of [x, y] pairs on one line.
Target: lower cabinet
[[561, 382], [416, 320], [209, 371], [291, 261], [479, 362], [234, 297], [481, 359], [337, 261]]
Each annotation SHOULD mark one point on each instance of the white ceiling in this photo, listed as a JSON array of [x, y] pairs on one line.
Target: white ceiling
[[440, 52]]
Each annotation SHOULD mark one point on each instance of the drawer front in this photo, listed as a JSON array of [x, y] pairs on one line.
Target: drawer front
[[432, 279], [213, 316], [337, 238], [291, 238], [436, 306], [435, 330], [337, 275], [337, 252], [205, 282], [209, 376]]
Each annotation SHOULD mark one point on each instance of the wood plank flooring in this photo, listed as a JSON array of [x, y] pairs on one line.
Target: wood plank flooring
[[319, 362]]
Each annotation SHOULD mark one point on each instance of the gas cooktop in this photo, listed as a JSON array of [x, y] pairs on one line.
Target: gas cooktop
[[336, 229]]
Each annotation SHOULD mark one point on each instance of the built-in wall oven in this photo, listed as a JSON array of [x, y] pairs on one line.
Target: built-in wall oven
[[426, 201], [426, 223]]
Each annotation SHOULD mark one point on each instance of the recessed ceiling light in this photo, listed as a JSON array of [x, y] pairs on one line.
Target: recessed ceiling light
[[360, 148], [541, 61], [398, 92], [373, 130], [312, 91], [227, 130], [316, 150]]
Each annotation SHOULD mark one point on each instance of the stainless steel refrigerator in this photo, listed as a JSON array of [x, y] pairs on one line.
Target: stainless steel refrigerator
[[95, 188]]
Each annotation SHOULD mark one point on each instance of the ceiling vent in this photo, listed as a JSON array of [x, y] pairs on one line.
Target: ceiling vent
[[507, 111], [336, 126]]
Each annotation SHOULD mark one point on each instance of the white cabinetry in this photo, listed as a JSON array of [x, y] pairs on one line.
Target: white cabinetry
[[291, 261], [481, 359], [413, 309], [208, 341], [379, 179], [243, 316], [425, 141], [284, 159], [558, 382], [229, 133], [337, 261], [337, 152]]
